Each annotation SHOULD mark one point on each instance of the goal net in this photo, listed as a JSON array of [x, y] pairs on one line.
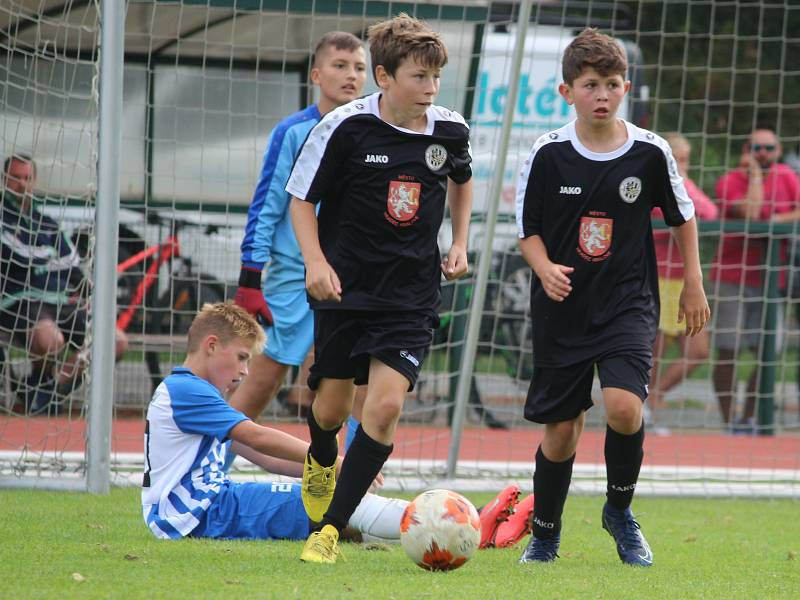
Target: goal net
[[205, 82], [48, 138]]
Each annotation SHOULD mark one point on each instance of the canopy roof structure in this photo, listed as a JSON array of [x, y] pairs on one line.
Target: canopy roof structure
[[270, 31]]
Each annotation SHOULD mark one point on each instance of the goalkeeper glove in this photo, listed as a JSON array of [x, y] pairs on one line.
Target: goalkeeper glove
[[250, 297]]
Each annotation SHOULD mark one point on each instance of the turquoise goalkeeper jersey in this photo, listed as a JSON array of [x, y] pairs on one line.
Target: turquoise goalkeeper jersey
[[269, 237]]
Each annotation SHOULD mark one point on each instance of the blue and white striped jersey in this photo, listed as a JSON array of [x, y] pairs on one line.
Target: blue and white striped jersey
[[269, 237], [185, 444]]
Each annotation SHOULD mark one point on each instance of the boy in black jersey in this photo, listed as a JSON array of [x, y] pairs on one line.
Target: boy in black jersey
[[583, 212], [380, 169]]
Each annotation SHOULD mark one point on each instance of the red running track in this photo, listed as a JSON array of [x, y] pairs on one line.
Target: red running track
[[416, 442]]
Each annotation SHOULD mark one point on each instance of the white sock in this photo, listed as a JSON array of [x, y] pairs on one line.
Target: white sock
[[378, 518]]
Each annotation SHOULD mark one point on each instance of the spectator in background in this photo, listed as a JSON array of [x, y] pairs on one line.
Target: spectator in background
[[43, 292], [760, 189], [693, 350]]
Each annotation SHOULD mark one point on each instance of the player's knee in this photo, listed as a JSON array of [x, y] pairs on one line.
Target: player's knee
[[329, 415], [388, 408], [46, 338], [625, 417], [382, 413], [699, 352], [561, 439]]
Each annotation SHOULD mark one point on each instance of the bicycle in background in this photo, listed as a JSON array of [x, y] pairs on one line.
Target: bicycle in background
[[159, 289]]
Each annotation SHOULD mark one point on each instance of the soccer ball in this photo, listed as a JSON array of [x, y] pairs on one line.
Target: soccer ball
[[440, 530]]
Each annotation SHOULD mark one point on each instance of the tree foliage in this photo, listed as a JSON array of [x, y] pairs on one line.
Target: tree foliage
[[716, 69]]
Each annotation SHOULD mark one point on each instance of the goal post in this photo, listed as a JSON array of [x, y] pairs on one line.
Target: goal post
[[48, 114], [101, 398], [55, 113]]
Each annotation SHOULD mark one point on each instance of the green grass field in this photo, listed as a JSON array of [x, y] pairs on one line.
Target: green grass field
[[64, 545]]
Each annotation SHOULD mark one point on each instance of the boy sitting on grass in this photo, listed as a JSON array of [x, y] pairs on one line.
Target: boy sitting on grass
[[191, 428]]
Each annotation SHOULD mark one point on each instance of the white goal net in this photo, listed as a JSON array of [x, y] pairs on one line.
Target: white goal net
[[206, 81]]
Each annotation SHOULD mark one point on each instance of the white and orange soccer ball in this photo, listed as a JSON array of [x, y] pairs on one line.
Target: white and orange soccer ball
[[440, 530]]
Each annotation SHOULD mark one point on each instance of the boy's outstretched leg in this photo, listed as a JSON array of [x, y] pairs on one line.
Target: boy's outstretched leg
[[496, 512], [624, 453], [517, 526]]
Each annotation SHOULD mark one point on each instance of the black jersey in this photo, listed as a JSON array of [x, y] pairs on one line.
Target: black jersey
[[382, 192], [592, 211]]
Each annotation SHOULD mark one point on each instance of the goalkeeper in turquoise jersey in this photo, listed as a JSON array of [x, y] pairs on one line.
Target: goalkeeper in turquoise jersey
[[339, 72]]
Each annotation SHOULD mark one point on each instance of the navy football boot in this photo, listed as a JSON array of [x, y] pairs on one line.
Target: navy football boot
[[541, 550], [632, 548]]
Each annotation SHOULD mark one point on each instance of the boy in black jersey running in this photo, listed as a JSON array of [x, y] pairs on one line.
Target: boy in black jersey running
[[583, 212], [380, 169]]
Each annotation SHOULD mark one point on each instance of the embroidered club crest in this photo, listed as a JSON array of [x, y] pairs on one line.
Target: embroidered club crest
[[629, 189], [403, 201], [594, 237], [435, 156]]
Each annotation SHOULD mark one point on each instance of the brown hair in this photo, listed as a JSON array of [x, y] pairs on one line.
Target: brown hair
[[392, 41], [228, 322], [340, 40], [593, 50]]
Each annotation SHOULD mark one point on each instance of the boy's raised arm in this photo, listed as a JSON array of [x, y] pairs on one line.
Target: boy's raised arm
[[459, 198], [322, 282]]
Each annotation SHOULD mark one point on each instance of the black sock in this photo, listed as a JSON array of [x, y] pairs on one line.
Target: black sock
[[362, 463], [324, 446], [550, 487], [624, 454]]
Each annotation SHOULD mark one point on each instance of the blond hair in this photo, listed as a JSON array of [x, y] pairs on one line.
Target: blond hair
[[677, 140], [593, 50], [392, 41], [228, 322]]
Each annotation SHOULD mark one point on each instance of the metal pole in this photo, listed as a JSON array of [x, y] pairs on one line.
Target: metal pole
[[766, 386], [479, 296], [104, 297]]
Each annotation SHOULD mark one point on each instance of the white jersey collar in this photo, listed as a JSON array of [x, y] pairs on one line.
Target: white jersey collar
[[600, 156]]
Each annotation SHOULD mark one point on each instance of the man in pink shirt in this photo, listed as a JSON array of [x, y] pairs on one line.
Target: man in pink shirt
[[761, 189]]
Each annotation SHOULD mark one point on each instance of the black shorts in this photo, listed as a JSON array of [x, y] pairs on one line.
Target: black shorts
[[345, 341], [563, 393], [21, 317]]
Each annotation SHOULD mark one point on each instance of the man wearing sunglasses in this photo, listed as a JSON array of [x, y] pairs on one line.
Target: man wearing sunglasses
[[760, 189]]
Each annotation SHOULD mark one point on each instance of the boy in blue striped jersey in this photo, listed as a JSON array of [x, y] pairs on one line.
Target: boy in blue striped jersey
[[339, 71], [191, 428]]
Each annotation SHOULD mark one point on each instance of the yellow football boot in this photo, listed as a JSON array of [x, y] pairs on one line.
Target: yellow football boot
[[317, 490], [322, 546]]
